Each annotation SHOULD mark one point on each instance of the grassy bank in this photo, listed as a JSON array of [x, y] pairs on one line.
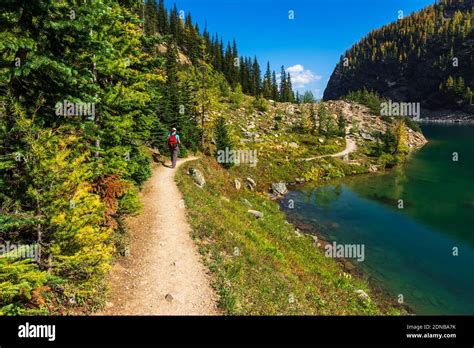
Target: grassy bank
[[263, 266]]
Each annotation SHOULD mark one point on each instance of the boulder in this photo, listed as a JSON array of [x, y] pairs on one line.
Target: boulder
[[279, 188], [251, 184], [237, 184], [349, 266], [373, 168], [246, 202], [257, 214], [293, 145], [362, 295], [198, 177], [367, 136]]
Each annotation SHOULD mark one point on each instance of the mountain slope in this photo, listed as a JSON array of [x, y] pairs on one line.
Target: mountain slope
[[426, 57]]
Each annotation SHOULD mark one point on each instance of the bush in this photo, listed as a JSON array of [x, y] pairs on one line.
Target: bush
[[260, 104], [387, 160], [237, 96], [22, 287], [370, 99], [332, 172], [314, 174], [412, 124], [139, 166]]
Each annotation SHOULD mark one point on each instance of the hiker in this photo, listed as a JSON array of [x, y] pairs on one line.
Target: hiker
[[173, 142]]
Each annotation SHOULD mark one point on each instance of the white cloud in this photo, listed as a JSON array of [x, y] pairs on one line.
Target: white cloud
[[301, 76], [295, 69]]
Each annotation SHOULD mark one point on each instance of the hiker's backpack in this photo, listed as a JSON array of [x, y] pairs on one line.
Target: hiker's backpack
[[172, 141]]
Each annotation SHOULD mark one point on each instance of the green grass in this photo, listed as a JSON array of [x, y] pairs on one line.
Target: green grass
[[261, 266]]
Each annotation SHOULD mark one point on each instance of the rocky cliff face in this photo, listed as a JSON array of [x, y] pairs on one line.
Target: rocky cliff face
[[427, 57], [366, 123]]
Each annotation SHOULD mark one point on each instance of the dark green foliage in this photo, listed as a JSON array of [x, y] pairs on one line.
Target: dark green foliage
[[171, 101], [341, 124], [308, 97], [385, 148], [260, 104], [267, 83], [324, 120], [314, 120], [283, 85], [223, 142], [52, 166], [412, 124], [368, 98]]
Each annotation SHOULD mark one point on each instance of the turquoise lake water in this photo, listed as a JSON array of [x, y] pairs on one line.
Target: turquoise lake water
[[424, 251]]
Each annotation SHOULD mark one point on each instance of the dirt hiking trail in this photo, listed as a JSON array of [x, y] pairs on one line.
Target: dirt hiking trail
[[351, 146], [163, 274]]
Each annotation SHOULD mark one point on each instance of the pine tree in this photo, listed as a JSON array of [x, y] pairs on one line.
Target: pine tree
[[323, 124], [163, 22], [290, 95], [223, 143], [235, 67], [174, 23], [308, 97], [267, 83], [283, 85], [228, 63], [255, 78], [341, 124], [188, 116], [314, 119], [151, 18], [402, 138], [275, 95], [243, 75], [171, 102]]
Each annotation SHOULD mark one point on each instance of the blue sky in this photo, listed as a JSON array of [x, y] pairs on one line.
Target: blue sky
[[309, 45]]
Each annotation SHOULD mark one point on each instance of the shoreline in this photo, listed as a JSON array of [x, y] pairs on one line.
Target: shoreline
[[346, 265], [447, 116], [446, 121]]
